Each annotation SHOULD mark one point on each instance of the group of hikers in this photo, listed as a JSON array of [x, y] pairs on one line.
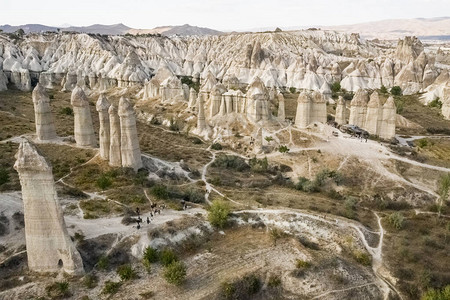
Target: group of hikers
[[154, 210]]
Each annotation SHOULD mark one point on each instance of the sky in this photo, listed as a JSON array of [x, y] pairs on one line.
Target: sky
[[217, 14]]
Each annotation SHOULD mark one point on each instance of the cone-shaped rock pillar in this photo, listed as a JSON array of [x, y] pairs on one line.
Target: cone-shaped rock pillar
[[45, 128], [115, 157], [84, 130], [129, 141], [102, 108]]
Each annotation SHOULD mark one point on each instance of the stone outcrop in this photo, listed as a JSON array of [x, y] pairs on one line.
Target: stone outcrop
[[311, 107], [3, 81], [115, 156], [281, 110], [372, 115], [83, 127], [49, 247], [104, 138], [257, 101], [129, 141], [201, 121], [446, 102], [341, 112], [192, 98], [43, 118]]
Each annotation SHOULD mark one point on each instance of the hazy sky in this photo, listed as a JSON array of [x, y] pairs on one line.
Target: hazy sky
[[217, 14]]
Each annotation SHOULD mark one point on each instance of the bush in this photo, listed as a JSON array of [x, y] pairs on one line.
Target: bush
[[58, 290], [167, 256], [302, 264], [422, 143], [160, 191], [230, 162], [90, 281], [363, 258], [274, 281], [396, 219], [218, 213], [216, 146], [292, 90], [4, 176], [335, 87], [103, 263], [433, 294], [396, 91], [435, 103], [174, 126], [399, 103], [67, 111], [104, 182], [151, 255], [306, 185], [111, 287], [126, 272], [175, 273], [383, 90], [259, 165], [243, 288], [283, 149]]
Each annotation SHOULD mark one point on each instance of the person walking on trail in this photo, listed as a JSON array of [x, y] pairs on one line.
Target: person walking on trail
[[148, 220], [138, 211]]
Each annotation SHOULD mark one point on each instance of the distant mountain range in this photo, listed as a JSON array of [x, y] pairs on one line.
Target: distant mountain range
[[431, 28], [116, 29]]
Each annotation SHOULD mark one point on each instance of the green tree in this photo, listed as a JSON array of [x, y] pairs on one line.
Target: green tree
[[336, 87], [383, 90], [218, 213], [396, 90], [283, 149], [4, 176], [396, 219]]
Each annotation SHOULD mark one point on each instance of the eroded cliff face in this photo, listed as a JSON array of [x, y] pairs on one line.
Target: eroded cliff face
[[308, 59]]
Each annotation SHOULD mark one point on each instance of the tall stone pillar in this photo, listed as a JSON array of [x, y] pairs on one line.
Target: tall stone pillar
[[49, 247], [303, 115], [115, 157], [84, 130], [45, 128], [102, 108], [281, 109], [201, 121], [341, 112], [129, 141]]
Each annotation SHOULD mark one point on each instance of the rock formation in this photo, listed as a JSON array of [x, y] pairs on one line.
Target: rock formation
[[84, 130], [49, 247], [372, 115], [43, 118], [115, 156], [192, 98], [3, 81], [311, 107], [281, 110], [201, 122], [341, 112], [104, 138], [129, 141]]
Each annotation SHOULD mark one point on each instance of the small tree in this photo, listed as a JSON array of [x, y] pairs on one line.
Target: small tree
[[218, 213], [268, 139], [292, 90], [167, 256], [4, 176], [126, 272], [396, 219], [383, 90], [336, 87], [175, 273], [396, 90]]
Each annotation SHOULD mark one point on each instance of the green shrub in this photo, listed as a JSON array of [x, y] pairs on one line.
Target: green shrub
[[433, 294], [104, 182], [151, 255], [283, 149], [274, 281], [302, 264], [4, 176], [196, 141], [126, 272], [396, 219], [292, 90], [268, 139], [258, 165], [90, 281], [435, 103], [218, 213], [396, 91], [67, 111], [241, 289], [230, 162], [111, 287], [103, 263], [335, 87], [59, 289], [167, 256], [174, 126], [216, 146], [363, 258], [160, 191], [422, 143], [175, 273], [383, 90]]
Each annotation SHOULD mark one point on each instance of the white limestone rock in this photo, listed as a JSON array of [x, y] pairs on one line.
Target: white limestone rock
[[341, 111], [115, 156], [129, 141], [49, 247], [83, 127], [102, 107], [43, 118]]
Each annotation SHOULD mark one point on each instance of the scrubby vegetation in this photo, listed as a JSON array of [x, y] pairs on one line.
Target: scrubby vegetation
[[175, 272], [240, 289], [218, 213]]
